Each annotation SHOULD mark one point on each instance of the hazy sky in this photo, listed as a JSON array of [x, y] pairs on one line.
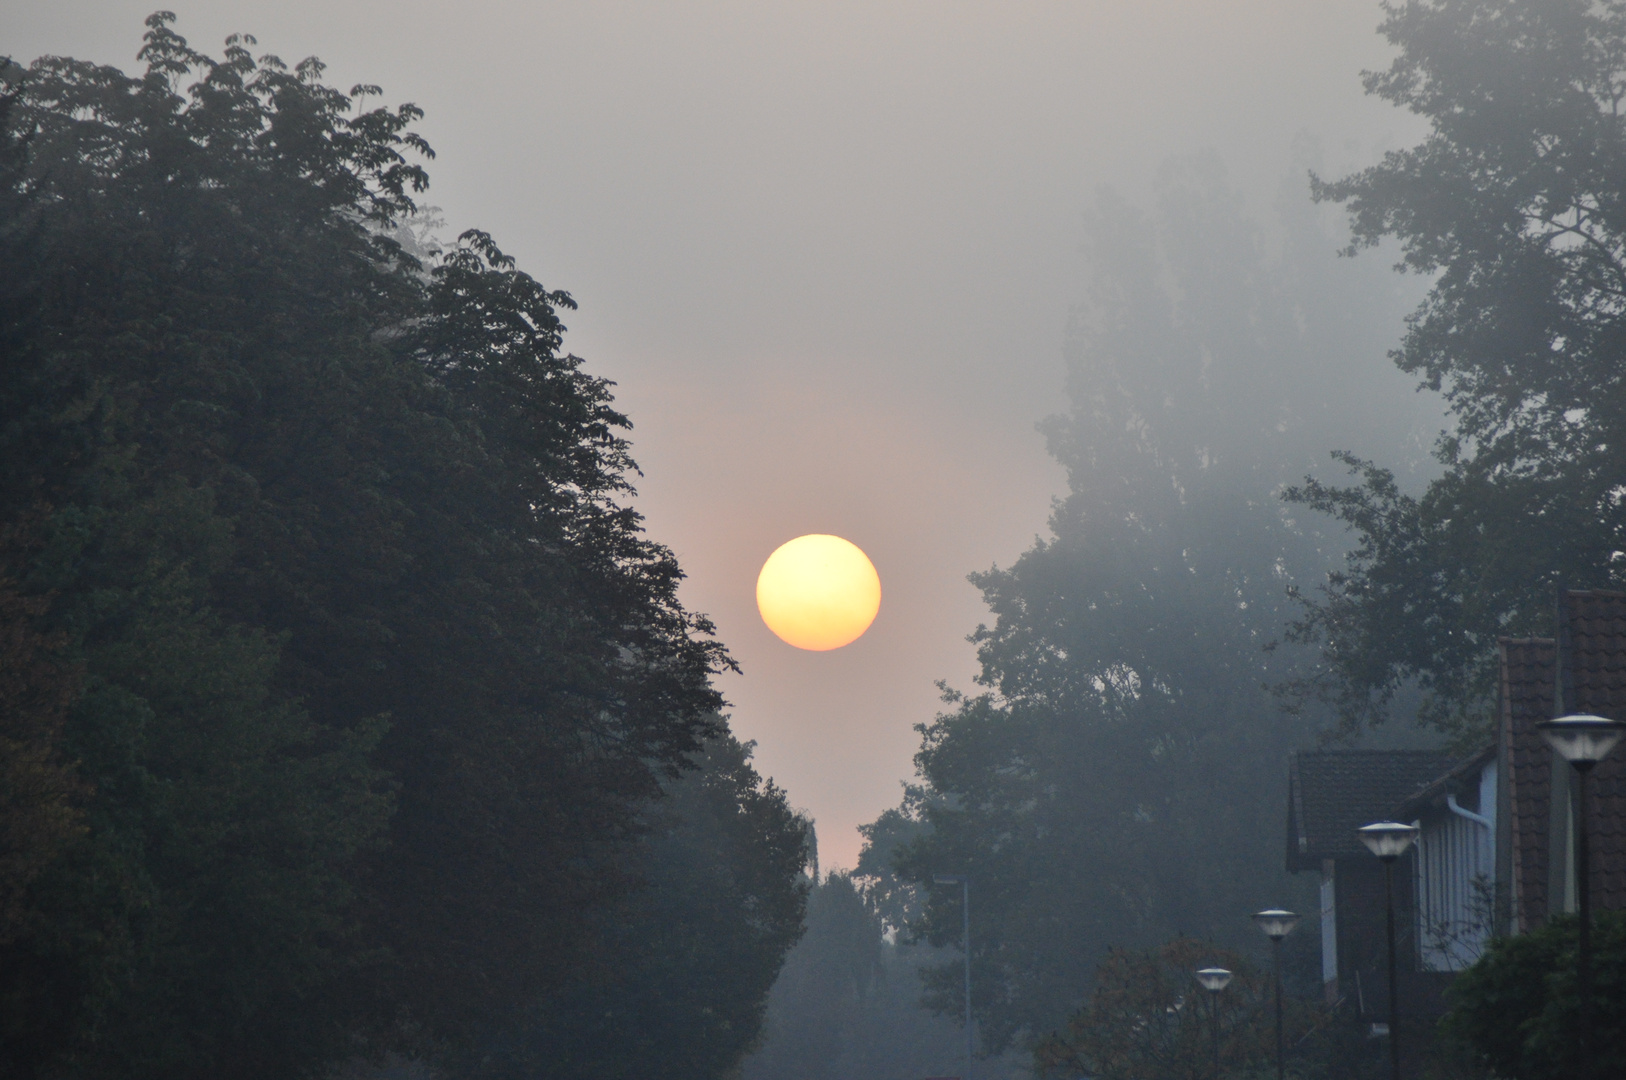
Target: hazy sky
[[827, 250]]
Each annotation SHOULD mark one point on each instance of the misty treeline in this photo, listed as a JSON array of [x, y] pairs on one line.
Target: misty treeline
[[347, 716], [1208, 597], [847, 1004]]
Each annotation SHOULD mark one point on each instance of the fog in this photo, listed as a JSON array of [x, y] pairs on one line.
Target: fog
[[829, 253]]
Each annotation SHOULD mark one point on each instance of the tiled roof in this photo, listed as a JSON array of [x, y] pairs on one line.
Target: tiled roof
[[1462, 778], [1592, 642], [1526, 694], [1331, 793]]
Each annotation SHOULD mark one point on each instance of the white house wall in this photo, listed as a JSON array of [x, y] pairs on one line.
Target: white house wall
[[1456, 873], [1329, 929]]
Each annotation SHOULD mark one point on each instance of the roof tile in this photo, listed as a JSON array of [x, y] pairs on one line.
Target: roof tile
[[1592, 629], [1335, 792], [1526, 694]]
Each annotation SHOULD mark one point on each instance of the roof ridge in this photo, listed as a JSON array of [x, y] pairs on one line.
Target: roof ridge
[[1442, 752]]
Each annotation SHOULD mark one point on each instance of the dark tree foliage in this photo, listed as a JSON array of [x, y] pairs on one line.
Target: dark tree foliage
[[1516, 1011], [681, 990], [1119, 780], [376, 672], [1148, 1016], [40, 795], [1513, 204], [896, 899]]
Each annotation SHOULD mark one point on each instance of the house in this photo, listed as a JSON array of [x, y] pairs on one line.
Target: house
[[1454, 892], [1332, 793], [1495, 851]]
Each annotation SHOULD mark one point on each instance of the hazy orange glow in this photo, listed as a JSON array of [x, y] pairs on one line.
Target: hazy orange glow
[[818, 592]]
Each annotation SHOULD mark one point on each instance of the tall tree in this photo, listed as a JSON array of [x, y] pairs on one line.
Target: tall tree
[[380, 674], [1512, 206], [1119, 778]]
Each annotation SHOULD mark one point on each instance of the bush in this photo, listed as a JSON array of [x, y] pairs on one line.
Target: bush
[[1517, 1011]]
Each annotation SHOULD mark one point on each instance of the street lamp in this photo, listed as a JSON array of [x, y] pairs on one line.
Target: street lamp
[[1277, 924], [1214, 979], [1583, 741], [1388, 840], [964, 882]]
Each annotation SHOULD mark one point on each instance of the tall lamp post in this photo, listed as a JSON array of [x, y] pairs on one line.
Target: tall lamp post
[[1583, 741], [964, 882], [1277, 924], [1214, 979], [1388, 840]]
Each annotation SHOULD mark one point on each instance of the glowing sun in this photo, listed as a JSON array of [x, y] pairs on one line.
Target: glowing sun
[[818, 592]]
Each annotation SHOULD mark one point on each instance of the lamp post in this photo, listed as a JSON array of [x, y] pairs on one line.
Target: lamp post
[[1583, 741], [1388, 840], [1277, 924], [1214, 979], [964, 882]]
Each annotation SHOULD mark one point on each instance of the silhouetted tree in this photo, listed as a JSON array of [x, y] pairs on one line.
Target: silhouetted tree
[[1512, 206], [379, 676]]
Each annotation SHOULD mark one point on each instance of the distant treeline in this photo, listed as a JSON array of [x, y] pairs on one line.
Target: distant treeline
[[347, 716]]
